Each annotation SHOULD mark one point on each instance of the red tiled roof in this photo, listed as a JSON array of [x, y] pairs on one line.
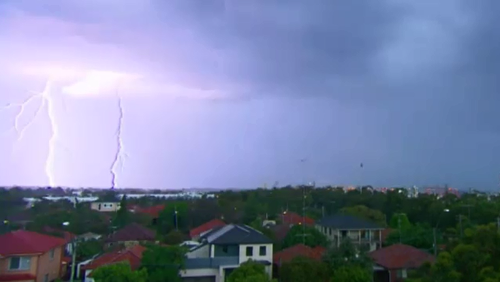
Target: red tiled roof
[[132, 232], [153, 211], [400, 256], [17, 277], [206, 227], [298, 250], [26, 242], [294, 218], [132, 255]]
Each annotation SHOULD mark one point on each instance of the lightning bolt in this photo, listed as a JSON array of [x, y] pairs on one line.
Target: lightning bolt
[[120, 155], [46, 102]]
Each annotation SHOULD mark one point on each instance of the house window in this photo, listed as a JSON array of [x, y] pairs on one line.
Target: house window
[[401, 273], [52, 252], [46, 278], [344, 234], [224, 249], [19, 263], [262, 250], [249, 251]]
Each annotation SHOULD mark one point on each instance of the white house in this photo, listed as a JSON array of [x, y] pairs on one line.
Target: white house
[[223, 249], [105, 206]]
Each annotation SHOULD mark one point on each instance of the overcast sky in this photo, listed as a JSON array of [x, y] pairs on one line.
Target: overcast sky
[[235, 93]]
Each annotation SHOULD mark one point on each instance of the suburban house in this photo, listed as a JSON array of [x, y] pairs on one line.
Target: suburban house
[[132, 255], [223, 249], [153, 211], [299, 250], [392, 263], [30, 256], [130, 235], [361, 232], [195, 233], [105, 206]]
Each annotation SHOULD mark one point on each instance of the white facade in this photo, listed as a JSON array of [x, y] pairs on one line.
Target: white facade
[[259, 252], [105, 206]]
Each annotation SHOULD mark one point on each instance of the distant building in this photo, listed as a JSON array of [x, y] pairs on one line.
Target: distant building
[[361, 232], [130, 235], [105, 206]]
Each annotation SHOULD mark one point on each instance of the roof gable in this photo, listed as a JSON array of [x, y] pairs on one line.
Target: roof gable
[[235, 234], [26, 242], [131, 255], [132, 232], [400, 256], [299, 250], [207, 226], [341, 221]]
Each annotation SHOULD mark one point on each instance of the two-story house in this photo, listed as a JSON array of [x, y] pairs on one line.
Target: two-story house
[[30, 256], [361, 232], [223, 249]]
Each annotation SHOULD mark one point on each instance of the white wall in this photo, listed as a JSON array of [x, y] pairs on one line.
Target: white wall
[[202, 252], [256, 256], [105, 206]]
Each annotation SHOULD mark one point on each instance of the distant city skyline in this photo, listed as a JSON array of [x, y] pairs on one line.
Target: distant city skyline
[[225, 94]]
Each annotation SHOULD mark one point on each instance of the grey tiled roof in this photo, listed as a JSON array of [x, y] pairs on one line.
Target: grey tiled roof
[[235, 234], [347, 222]]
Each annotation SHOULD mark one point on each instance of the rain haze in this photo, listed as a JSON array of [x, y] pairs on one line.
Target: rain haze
[[219, 94]]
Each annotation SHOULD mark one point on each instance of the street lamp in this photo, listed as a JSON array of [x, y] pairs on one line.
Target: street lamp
[[435, 231], [73, 254]]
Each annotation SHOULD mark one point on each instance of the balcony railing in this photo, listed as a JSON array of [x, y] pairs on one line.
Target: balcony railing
[[194, 263]]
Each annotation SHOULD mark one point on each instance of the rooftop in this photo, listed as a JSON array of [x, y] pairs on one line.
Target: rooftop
[[131, 255], [132, 232], [400, 256], [299, 250], [22, 242], [207, 226], [235, 234], [342, 221]]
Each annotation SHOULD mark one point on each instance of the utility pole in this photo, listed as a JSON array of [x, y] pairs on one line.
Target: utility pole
[[399, 227], [498, 223], [461, 228], [435, 242], [176, 225]]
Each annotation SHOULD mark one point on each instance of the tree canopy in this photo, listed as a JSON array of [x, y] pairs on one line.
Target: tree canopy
[[163, 263], [249, 271], [119, 272]]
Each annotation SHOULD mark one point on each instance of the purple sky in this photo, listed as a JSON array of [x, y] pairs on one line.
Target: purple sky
[[235, 93]]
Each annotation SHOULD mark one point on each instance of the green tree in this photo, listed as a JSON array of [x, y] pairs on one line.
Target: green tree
[[87, 249], [174, 237], [163, 263], [119, 272], [442, 270], [346, 255], [469, 261], [418, 236], [122, 218], [174, 215], [249, 271], [351, 274], [303, 269], [366, 213], [299, 234], [399, 221]]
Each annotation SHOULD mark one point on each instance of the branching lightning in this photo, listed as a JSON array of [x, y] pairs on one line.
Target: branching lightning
[[46, 102], [120, 155]]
